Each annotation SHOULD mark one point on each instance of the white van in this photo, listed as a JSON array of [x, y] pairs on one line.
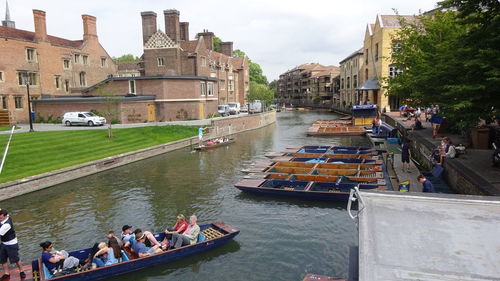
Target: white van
[[255, 107], [223, 109], [82, 118], [234, 107]]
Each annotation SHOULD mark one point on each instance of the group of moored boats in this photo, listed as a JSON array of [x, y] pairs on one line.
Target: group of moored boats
[[316, 172]]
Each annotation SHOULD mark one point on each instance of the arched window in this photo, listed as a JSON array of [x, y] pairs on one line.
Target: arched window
[[83, 79]]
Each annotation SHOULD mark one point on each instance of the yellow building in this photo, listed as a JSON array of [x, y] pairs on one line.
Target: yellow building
[[379, 45]]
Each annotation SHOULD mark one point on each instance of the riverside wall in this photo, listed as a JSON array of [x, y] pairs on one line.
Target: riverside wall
[[219, 128]]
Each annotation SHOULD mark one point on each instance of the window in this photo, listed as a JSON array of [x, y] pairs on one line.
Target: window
[[366, 74], [66, 64], [25, 77], [30, 54], [18, 102], [57, 79], [230, 86], [366, 56], [161, 62], [4, 102], [103, 62], [348, 83], [77, 58], [203, 88], [210, 88], [394, 71], [355, 81], [1, 76], [342, 83], [85, 60], [131, 86], [66, 86], [222, 84], [376, 52], [203, 61], [396, 46], [83, 79]]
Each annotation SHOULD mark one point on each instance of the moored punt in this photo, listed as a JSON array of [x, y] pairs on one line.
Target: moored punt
[[326, 178], [318, 151], [316, 277], [329, 191], [206, 145], [344, 130], [216, 234]]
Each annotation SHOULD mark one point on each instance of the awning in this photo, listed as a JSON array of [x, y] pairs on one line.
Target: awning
[[370, 84]]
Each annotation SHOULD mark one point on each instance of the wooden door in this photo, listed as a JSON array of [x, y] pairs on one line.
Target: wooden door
[[151, 112]]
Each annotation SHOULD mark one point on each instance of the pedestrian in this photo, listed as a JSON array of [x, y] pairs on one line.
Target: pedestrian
[[200, 135], [426, 184], [406, 155], [435, 120], [9, 248]]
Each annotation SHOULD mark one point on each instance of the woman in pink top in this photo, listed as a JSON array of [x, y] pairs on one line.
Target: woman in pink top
[[180, 227]]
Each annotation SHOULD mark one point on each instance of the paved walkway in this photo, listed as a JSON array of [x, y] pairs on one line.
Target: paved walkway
[[476, 163]]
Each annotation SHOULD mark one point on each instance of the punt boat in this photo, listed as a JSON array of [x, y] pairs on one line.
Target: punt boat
[[208, 145], [329, 191], [336, 130], [213, 235]]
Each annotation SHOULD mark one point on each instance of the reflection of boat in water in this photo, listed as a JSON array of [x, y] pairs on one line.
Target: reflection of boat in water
[[316, 277], [216, 234], [214, 144]]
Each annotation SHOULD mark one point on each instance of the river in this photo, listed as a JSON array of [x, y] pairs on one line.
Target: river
[[280, 239]]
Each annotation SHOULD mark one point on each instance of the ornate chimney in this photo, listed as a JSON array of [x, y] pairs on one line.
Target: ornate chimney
[[172, 28], [40, 25], [89, 27], [148, 25], [208, 37]]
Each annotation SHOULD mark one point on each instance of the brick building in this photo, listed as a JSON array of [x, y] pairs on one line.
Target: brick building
[[54, 66], [308, 85], [350, 77]]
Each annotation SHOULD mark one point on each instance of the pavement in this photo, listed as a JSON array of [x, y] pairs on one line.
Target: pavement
[[475, 163], [61, 127]]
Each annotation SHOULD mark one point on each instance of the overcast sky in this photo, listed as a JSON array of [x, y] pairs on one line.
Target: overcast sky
[[278, 35]]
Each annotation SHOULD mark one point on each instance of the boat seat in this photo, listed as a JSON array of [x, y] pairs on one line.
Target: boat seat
[[125, 256], [46, 272], [201, 237], [211, 233]]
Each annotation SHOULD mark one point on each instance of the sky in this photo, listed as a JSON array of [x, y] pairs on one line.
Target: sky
[[277, 34]]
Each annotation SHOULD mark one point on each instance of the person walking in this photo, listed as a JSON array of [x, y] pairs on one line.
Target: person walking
[[405, 155], [426, 184], [9, 248]]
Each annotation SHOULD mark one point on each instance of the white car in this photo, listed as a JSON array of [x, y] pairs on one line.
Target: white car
[[82, 118]]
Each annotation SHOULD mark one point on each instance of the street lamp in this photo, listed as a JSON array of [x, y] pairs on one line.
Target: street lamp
[[27, 82]]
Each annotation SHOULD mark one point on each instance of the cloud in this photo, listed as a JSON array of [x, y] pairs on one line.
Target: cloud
[[277, 34]]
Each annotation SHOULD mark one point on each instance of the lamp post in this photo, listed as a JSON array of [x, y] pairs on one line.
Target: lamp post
[[27, 82]]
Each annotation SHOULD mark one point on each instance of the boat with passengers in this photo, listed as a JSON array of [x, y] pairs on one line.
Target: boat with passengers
[[212, 235]]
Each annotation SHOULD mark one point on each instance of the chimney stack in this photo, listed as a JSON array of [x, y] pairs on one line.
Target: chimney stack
[[227, 48], [89, 27], [40, 25], [148, 25], [184, 26], [208, 37], [172, 27]]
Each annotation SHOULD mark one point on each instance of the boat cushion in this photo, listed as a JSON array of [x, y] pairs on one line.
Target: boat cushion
[[125, 256], [201, 237]]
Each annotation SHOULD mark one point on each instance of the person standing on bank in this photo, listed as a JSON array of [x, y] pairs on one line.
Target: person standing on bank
[[9, 248], [426, 184], [406, 155]]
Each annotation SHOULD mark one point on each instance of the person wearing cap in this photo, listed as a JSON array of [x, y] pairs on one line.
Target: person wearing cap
[[128, 238], [141, 250], [9, 248]]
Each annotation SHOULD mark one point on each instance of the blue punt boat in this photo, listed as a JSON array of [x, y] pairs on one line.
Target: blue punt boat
[[329, 191], [215, 234]]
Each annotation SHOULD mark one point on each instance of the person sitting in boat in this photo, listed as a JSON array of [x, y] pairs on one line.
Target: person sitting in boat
[[56, 261], [190, 236], [115, 244], [128, 237], [111, 236], [140, 248], [180, 226], [104, 256], [150, 238]]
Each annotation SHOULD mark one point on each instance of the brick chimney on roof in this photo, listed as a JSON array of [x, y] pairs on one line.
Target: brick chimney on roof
[[89, 27], [148, 25], [227, 48], [184, 26], [172, 26], [208, 37], [40, 25]]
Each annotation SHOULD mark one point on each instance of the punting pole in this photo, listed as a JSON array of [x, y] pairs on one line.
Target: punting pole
[[7, 148]]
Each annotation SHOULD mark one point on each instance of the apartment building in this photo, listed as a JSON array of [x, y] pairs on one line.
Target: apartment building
[[350, 77]]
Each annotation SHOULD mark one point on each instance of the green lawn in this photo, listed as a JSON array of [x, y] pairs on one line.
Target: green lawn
[[8, 128], [38, 152]]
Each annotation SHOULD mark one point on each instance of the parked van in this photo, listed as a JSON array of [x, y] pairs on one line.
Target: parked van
[[82, 118], [234, 107], [255, 107], [223, 109]]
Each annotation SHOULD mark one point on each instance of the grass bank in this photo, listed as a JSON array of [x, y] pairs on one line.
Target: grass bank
[[39, 152]]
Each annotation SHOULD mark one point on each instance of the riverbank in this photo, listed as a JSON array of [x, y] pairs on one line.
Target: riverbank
[[218, 128], [471, 173]]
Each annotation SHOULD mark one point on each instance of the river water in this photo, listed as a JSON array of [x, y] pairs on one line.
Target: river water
[[280, 239]]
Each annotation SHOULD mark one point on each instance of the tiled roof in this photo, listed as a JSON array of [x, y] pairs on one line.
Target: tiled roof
[[128, 65], [8, 32], [238, 62], [189, 46], [392, 21], [358, 52]]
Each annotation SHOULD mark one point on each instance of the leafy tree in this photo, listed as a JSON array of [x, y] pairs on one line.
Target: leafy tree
[[111, 102], [217, 42], [260, 92], [432, 57], [255, 70], [126, 58]]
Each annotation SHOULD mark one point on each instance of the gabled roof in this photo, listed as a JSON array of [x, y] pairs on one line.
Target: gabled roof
[[189, 46], [356, 53], [128, 65], [14, 33], [392, 21], [159, 40]]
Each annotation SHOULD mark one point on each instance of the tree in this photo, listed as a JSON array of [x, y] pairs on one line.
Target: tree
[[111, 103], [126, 58], [260, 92], [255, 70], [429, 56], [217, 42]]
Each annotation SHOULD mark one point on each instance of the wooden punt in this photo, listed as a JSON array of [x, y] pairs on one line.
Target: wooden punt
[[217, 234], [325, 178], [302, 189], [316, 277], [205, 146], [338, 130]]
